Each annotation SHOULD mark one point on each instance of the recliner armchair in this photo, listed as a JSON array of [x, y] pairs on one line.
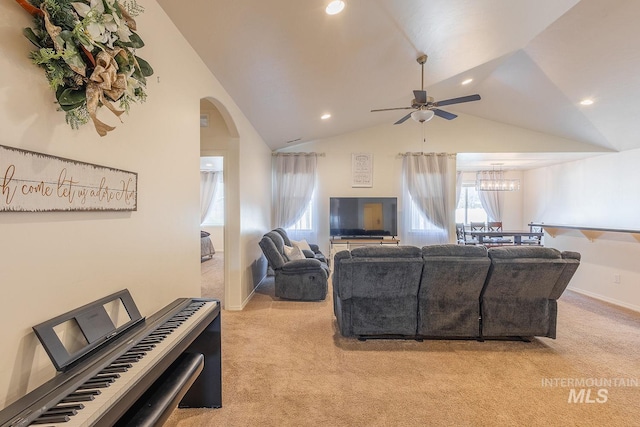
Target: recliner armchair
[[315, 249], [298, 279]]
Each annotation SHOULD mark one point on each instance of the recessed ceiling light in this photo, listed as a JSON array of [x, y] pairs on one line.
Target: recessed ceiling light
[[325, 116], [209, 164], [467, 81], [586, 102], [334, 7]]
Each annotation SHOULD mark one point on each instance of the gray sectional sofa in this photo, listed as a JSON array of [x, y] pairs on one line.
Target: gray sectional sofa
[[450, 291]]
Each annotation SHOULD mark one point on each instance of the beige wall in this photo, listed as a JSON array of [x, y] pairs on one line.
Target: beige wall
[[53, 262], [603, 192]]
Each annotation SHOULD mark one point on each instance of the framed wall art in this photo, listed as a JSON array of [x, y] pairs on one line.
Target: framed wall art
[[36, 182], [362, 170]]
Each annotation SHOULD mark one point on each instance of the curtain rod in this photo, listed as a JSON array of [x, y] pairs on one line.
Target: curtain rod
[[298, 154], [422, 153]]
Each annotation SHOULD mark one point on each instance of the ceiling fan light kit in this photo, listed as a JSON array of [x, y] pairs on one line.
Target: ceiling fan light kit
[[422, 116], [425, 107]]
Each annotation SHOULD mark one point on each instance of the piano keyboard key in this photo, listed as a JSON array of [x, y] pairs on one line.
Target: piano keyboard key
[[93, 385], [61, 411], [130, 367], [52, 419], [73, 398]]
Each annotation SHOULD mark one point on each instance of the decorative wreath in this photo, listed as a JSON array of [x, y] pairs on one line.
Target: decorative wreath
[[87, 50]]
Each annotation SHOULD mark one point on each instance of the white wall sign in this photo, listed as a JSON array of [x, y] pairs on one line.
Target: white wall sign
[[362, 170], [35, 182]]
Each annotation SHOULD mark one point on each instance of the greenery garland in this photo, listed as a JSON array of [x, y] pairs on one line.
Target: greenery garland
[[87, 50]]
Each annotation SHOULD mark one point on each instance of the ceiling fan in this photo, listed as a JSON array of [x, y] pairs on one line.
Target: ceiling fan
[[425, 107]]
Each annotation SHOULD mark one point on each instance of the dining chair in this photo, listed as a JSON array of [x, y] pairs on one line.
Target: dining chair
[[533, 240], [494, 225], [497, 226], [477, 226], [463, 237], [460, 233]]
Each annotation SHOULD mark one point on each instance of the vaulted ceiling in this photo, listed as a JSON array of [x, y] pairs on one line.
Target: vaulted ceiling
[[286, 62]]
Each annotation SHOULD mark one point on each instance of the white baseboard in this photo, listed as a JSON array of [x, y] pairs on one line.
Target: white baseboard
[[246, 301], [605, 299]]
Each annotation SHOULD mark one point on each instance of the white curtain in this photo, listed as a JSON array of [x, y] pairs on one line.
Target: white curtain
[[459, 175], [491, 201], [208, 184], [294, 180], [429, 187]]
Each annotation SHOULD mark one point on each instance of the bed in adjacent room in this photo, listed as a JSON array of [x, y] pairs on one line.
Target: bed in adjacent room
[[206, 246]]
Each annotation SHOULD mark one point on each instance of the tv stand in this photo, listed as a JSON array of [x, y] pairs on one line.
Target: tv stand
[[348, 243]]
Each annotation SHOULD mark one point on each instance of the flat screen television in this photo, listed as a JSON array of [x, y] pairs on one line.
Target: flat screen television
[[364, 217]]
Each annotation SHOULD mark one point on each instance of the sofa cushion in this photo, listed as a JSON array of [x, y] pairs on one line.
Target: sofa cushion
[[454, 250], [385, 251], [274, 256], [277, 240], [510, 252], [283, 233]]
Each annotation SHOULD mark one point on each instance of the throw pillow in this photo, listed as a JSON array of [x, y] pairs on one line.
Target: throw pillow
[[302, 244], [293, 253]]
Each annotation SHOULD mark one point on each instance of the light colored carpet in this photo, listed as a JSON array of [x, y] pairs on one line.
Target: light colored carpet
[[212, 277], [285, 364]]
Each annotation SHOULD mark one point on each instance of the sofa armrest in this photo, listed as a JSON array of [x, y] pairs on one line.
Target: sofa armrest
[[306, 265], [309, 254], [571, 255], [315, 248], [572, 260], [338, 278]]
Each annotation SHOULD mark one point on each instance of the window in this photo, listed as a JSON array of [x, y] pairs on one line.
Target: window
[[418, 220], [216, 215], [469, 207], [305, 223]]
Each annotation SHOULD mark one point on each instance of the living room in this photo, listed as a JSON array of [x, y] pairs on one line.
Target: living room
[[52, 262]]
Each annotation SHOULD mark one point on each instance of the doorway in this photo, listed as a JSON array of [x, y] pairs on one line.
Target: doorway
[[212, 227], [217, 141], [373, 218]]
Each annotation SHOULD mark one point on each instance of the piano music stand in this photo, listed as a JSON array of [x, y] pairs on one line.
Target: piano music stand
[[93, 322]]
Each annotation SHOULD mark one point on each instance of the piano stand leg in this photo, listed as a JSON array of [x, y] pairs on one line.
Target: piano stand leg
[[206, 391]]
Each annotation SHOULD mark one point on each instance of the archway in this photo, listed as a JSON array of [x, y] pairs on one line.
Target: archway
[[219, 139]]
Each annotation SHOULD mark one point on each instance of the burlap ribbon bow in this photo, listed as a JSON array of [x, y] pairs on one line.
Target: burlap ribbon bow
[[105, 81]]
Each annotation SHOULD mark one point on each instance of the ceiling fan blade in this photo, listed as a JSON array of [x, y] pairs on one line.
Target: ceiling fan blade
[[390, 109], [468, 98], [404, 119], [444, 114], [421, 96]]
